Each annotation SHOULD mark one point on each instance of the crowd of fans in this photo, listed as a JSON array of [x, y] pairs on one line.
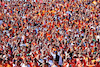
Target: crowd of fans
[[50, 33]]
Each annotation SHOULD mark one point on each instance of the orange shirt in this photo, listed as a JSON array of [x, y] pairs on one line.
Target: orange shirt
[[1, 65], [8, 65], [65, 65]]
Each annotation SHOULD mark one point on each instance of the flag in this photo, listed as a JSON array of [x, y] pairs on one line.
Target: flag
[[1, 22], [35, 1]]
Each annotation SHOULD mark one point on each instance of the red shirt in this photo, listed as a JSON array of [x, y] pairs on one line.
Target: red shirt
[[72, 64], [31, 64]]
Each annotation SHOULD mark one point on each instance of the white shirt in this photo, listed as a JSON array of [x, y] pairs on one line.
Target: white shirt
[[59, 53], [23, 37], [54, 66], [66, 54], [54, 55], [14, 65], [67, 65], [98, 37], [23, 65], [50, 62]]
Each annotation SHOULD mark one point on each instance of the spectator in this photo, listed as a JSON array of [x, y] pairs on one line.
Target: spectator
[[49, 33]]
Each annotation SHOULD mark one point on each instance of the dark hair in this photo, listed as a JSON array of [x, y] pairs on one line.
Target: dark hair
[[35, 60]]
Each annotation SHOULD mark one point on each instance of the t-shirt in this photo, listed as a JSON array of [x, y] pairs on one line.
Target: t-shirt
[[8, 65], [54, 55], [98, 37], [66, 65], [53, 66], [50, 62], [0, 65], [72, 64], [23, 65], [14, 65], [31, 64]]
